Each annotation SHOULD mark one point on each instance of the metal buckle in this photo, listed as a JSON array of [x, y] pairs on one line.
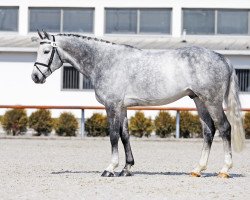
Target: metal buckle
[[53, 44]]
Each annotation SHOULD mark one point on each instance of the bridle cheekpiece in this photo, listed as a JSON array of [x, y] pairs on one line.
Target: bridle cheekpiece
[[54, 49]]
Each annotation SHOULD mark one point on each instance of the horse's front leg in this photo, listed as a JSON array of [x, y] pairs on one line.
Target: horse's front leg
[[113, 115], [124, 133]]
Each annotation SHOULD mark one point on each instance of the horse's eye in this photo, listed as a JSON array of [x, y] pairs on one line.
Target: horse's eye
[[46, 51]]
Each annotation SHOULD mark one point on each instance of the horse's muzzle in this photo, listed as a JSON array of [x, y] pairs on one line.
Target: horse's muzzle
[[36, 79]]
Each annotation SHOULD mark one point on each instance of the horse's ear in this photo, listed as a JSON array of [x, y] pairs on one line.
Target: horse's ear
[[40, 35], [46, 35]]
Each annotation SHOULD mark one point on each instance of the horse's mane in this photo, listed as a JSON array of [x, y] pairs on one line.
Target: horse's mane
[[95, 39]]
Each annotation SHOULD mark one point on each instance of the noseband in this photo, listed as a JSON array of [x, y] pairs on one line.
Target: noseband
[[54, 49]]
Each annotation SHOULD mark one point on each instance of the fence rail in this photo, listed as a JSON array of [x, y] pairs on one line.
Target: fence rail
[[83, 108]]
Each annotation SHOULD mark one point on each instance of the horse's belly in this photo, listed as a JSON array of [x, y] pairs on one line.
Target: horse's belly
[[137, 100]]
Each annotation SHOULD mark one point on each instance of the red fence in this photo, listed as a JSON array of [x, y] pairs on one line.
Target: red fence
[[83, 108]]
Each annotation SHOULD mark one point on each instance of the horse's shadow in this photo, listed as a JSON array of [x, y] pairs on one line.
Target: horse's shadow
[[184, 173], [141, 173]]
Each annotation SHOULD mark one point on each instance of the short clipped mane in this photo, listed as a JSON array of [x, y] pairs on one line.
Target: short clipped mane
[[95, 39]]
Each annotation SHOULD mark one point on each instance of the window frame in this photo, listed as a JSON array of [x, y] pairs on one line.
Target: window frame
[[61, 17], [18, 13], [80, 82], [215, 22], [138, 21]]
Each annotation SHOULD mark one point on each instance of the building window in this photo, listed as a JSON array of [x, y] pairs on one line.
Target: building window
[[121, 21], [8, 18], [78, 20], [198, 21], [213, 21], [232, 22], [155, 21], [136, 21], [70, 78], [243, 79], [45, 18], [73, 80], [61, 19]]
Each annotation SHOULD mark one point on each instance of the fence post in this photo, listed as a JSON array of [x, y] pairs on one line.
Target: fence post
[[177, 133], [82, 124]]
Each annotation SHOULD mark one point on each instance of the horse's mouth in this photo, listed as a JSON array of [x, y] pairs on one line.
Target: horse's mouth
[[41, 81]]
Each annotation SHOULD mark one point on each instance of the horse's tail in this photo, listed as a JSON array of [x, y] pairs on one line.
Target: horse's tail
[[234, 112]]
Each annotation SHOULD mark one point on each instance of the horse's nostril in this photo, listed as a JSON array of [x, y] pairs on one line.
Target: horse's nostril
[[35, 78]]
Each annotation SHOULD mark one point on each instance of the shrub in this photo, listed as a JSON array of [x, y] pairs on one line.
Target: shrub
[[164, 124], [15, 121], [190, 125], [97, 125], [66, 124], [139, 125], [41, 121], [247, 124]]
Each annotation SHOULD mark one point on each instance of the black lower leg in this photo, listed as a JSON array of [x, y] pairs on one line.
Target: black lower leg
[[124, 134]]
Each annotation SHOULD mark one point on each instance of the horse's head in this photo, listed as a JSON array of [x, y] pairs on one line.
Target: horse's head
[[48, 58]]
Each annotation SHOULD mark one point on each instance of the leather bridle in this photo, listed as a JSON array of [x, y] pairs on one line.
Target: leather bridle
[[54, 49]]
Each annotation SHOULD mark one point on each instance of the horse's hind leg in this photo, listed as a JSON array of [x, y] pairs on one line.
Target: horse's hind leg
[[208, 134], [124, 134], [222, 124]]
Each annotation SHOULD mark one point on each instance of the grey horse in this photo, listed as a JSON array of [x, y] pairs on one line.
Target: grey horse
[[125, 76]]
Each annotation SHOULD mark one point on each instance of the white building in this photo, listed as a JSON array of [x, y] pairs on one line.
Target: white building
[[221, 25]]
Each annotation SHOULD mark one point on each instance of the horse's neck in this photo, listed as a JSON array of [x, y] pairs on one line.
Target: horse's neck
[[89, 57], [79, 54]]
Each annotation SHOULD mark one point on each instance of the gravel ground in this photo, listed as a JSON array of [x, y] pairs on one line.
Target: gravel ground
[[71, 169]]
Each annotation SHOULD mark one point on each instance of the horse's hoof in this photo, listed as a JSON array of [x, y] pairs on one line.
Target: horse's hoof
[[223, 175], [194, 174], [107, 174], [125, 173]]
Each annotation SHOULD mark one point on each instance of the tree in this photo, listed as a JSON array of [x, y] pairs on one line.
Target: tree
[[140, 125], [41, 121], [190, 125], [15, 121], [164, 124], [247, 124], [97, 125], [66, 125]]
